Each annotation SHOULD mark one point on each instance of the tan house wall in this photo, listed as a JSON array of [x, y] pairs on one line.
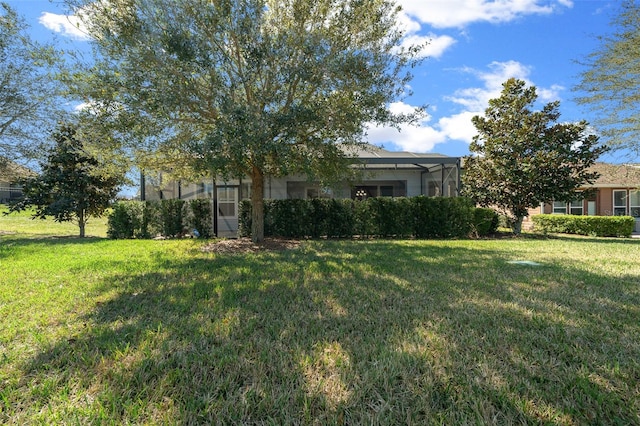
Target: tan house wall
[[604, 205], [605, 202]]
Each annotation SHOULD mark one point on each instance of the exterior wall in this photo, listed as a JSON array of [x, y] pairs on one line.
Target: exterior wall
[[604, 206]]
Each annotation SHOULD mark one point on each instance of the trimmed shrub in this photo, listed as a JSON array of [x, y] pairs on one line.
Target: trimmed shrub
[[390, 217], [340, 218], [199, 217], [135, 219], [151, 222], [289, 218], [122, 221], [485, 221], [172, 215], [599, 226], [442, 217]]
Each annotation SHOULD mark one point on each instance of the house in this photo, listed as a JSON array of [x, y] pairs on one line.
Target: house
[[10, 172], [615, 193], [384, 173]]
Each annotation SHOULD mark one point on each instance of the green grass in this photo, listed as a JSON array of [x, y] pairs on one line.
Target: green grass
[[336, 332], [22, 223]]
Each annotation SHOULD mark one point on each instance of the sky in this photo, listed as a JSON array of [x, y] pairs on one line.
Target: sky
[[473, 47]]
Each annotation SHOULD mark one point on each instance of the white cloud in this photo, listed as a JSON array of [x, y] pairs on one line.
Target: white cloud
[[420, 138], [471, 101], [69, 26], [459, 13], [550, 94], [434, 45], [459, 126], [437, 45]]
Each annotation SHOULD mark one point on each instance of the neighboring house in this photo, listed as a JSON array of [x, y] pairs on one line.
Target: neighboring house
[[615, 193], [385, 173], [9, 174]]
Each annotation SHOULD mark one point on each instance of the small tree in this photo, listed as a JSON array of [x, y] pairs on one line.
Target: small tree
[[524, 157], [72, 185]]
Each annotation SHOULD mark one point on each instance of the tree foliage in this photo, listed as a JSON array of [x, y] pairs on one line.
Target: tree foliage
[[609, 84], [73, 186], [247, 88], [524, 157], [29, 102]]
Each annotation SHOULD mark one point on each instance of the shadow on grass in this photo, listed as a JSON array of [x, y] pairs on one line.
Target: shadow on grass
[[349, 333]]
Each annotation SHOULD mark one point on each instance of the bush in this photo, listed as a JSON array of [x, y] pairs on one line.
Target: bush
[[485, 222], [340, 218], [244, 218], [600, 226], [199, 217], [442, 217], [122, 221], [390, 217], [151, 223], [172, 217], [169, 218]]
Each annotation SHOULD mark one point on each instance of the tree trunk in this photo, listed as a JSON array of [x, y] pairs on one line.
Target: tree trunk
[[257, 205], [517, 225], [81, 222]]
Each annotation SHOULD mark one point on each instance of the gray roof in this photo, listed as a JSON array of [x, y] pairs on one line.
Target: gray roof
[[376, 157]]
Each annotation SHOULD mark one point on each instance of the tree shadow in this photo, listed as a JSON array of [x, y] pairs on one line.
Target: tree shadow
[[376, 332]]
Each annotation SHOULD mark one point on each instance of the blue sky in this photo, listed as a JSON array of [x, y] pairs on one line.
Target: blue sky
[[475, 45]]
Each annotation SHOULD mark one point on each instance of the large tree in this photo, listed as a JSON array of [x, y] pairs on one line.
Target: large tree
[[610, 83], [73, 185], [525, 157], [247, 87], [29, 95]]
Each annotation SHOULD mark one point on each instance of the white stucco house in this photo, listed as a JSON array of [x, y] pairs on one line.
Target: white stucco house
[[385, 174]]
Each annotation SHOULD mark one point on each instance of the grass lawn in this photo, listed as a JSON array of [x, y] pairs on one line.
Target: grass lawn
[[96, 331]]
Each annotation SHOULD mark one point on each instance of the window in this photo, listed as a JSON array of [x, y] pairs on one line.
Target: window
[[559, 207], [620, 202], [227, 201], [576, 207], [634, 203], [386, 191], [380, 189]]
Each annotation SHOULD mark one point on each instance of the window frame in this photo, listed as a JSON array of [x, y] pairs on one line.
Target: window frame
[[634, 209], [559, 207], [620, 209]]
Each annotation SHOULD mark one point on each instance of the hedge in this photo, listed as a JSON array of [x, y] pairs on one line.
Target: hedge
[[166, 218], [420, 217], [600, 226]]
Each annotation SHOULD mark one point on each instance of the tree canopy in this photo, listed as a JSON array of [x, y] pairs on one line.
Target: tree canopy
[[525, 157], [73, 185], [609, 84], [246, 88], [29, 99]]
